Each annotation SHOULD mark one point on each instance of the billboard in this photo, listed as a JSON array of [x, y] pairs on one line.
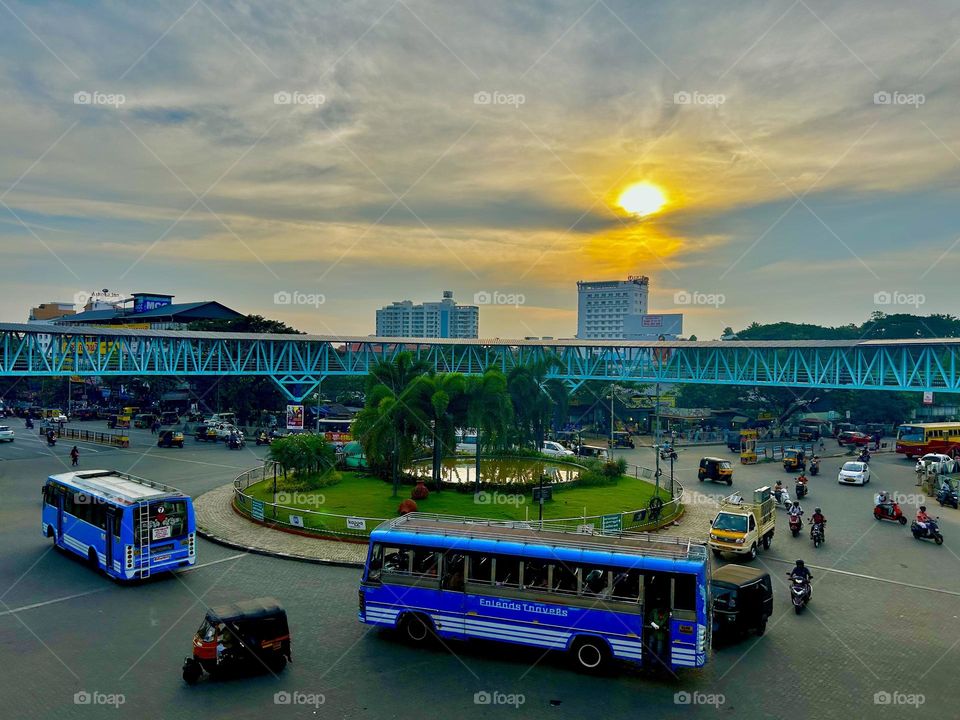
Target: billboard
[[294, 417], [650, 327]]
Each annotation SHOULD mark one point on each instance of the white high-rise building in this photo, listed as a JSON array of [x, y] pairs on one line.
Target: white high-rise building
[[443, 319], [603, 305]]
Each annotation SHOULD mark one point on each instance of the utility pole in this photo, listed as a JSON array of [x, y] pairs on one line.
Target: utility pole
[[612, 388], [656, 411]]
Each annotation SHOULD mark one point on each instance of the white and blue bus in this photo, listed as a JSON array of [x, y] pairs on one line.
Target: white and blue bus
[[124, 525], [633, 597]]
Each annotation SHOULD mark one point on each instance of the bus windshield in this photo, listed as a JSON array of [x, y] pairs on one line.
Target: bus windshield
[[167, 520], [910, 433], [726, 521]]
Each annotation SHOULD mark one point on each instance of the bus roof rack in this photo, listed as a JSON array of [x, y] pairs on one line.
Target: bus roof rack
[[118, 486], [552, 533]]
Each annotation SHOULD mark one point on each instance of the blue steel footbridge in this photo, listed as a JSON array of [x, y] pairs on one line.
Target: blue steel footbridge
[[299, 363]]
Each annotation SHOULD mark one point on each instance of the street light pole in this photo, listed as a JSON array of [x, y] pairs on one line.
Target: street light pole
[[612, 388]]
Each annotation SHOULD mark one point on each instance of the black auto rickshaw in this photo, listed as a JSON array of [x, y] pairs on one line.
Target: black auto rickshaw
[[794, 459], [742, 601], [170, 438], [205, 433], [247, 637], [716, 469]]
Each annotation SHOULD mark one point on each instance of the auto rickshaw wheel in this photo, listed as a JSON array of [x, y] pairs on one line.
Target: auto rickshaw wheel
[[762, 626], [192, 673], [277, 664]]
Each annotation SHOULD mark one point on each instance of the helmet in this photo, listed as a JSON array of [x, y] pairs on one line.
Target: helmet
[[816, 510], [799, 563], [923, 508]]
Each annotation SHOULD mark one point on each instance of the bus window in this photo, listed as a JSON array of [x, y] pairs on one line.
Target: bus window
[[375, 567], [565, 579], [685, 593], [626, 586], [536, 574], [453, 567], [595, 580], [506, 571], [481, 569], [424, 562], [395, 561]]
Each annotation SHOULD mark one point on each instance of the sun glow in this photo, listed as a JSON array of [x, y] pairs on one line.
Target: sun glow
[[642, 199]]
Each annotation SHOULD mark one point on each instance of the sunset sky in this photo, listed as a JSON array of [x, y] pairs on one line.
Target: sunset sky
[[808, 153]]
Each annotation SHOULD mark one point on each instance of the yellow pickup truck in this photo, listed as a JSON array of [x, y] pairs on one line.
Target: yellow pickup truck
[[743, 526]]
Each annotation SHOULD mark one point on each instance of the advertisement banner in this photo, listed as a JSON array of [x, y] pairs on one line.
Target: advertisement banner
[[294, 417]]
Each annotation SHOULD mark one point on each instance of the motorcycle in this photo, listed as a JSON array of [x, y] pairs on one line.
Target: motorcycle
[[263, 439], [930, 532], [801, 489], [946, 495], [814, 467], [889, 512], [817, 534], [667, 453], [51, 440], [236, 441], [29, 424], [864, 457], [796, 523], [800, 593]]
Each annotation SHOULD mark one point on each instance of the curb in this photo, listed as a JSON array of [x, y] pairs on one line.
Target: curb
[[274, 554]]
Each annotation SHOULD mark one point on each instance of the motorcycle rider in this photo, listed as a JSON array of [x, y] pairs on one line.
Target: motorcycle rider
[[795, 511], [885, 503], [818, 517], [778, 490], [800, 571], [922, 517]]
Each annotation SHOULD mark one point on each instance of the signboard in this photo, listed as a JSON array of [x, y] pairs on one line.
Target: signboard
[[611, 523], [928, 398], [257, 510], [143, 302], [354, 523], [296, 520], [586, 529], [545, 493], [294, 417]]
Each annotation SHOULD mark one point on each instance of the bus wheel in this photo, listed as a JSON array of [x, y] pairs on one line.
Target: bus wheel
[[590, 654], [416, 629], [92, 560]]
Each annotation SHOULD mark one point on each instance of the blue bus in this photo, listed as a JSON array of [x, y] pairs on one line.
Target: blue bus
[[124, 525], [633, 597]]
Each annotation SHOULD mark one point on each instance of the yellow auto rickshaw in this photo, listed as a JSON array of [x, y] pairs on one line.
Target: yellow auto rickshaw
[[716, 469], [794, 459]]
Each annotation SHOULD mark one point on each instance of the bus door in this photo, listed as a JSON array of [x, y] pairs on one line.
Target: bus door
[[657, 594], [112, 537], [688, 637], [452, 599], [59, 495]]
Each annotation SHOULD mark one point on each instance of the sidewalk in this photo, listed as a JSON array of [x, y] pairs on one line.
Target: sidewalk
[[218, 522]]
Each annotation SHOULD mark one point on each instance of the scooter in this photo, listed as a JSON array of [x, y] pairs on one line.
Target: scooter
[[890, 512], [667, 452], [263, 439], [864, 457], [814, 467], [801, 488], [930, 532], [948, 496], [817, 534], [796, 523], [28, 424], [236, 441], [800, 593], [782, 497]]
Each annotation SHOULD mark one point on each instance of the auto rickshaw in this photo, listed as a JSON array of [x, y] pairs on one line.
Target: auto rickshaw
[[716, 469], [794, 459], [205, 433], [247, 637], [622, 439], [742, 601], [170, 438]]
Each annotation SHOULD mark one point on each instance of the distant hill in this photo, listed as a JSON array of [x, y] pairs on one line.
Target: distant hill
[[879, 327]]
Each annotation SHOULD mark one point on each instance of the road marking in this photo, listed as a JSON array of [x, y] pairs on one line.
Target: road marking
[[33, 606], [874, 577]]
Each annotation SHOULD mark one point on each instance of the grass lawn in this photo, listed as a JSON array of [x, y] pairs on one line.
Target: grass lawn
[[362, 495]]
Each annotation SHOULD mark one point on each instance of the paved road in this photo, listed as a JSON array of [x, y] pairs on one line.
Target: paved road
[[65, 630]]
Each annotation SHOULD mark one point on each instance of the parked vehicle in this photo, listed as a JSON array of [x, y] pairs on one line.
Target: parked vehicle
[[205, 433], [890, 512], [144, 420], [800, 593], [247, 636], [170, 438], [555, 449], [853, 437], [854, 473], [169, 418], [622, 440], [225, 417], [716, 469], [930, 532], [808, 433], [732, 439], [742, 601], [594, 451], [6, 434], [794, 459], [938, 462], [742, 527]]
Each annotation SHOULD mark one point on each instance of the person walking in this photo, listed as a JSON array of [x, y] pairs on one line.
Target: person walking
[[75, 456]]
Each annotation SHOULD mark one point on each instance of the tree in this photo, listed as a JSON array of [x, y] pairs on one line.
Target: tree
[[382, 428], [536, 399], [438, 402], [489, 411]]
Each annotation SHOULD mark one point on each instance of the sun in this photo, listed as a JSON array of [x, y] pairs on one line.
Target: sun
[[642, 199]]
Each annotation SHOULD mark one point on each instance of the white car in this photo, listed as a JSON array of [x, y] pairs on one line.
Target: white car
[[854, 473], [555, 449], [6, 433], [942, 463]]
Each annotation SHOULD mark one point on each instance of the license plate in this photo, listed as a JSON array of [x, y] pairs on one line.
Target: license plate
[[161, 533], [161, 558]]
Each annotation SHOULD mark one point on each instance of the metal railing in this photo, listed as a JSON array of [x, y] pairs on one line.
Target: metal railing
[[103, 438], [295, 517]]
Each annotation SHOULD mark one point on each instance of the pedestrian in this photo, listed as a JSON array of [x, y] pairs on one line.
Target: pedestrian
[[75, 456], [821, 444]]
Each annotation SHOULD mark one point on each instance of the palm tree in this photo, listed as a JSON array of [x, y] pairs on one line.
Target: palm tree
[[489, 411], [382, 428], [537, 399], [438, 402], [396, 374]]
